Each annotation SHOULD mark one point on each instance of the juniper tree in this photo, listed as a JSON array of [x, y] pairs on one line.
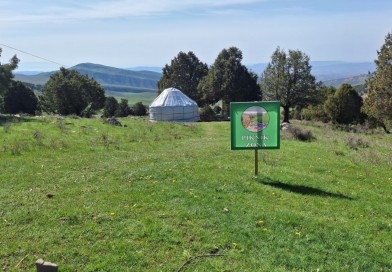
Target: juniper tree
[[378, 101], [288, 79]]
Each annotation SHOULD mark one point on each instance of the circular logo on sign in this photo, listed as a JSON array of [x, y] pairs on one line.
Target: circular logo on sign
[[255, 119]]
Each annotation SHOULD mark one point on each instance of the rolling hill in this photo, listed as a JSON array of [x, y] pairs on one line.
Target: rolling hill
[[132, 85], [354, 81]]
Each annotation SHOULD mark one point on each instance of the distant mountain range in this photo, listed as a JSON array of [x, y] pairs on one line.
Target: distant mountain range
[[143, 79], [329, 70]]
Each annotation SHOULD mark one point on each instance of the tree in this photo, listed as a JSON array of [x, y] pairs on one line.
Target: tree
[[110, 107], [6, 77], [139, 109], [378, 102], [288, 79], [69, 92], [185, 73], [228, 80], [316, 112], [344, 107], [20, 99], [123, 108], [6, 74]]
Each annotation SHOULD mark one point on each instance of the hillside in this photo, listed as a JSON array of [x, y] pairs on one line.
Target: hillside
[[354, 81], [113, 80], [148, 196]]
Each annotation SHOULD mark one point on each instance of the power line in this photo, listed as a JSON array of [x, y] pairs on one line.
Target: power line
[[27, 53]]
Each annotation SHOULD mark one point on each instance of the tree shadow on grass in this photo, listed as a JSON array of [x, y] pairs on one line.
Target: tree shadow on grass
[[303, 190]]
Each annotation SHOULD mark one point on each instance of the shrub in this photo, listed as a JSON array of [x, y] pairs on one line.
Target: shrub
[[217, 109], [354, 143], [300, 134], [207, 114], [139, 109], [344, 107], [315, 113]]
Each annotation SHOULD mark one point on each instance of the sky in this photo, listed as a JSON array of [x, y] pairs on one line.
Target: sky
[[47, 34]]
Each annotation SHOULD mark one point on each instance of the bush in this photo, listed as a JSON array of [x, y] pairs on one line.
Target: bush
[[314, 113], [139, 109], [354, 143], [217, 109], [344, 107], [19, 99], [207, 114], [300, 134]]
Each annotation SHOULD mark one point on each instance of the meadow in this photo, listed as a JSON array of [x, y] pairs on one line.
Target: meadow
[[89, 196]]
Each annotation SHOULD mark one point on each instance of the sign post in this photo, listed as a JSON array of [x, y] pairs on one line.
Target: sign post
[[255, 125]]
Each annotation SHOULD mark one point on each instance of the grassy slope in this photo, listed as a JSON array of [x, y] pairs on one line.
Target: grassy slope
[[148, 196]]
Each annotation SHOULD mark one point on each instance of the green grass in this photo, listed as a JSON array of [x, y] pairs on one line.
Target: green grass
[[146, 197]]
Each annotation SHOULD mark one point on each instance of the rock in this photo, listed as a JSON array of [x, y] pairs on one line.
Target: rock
[[285, 126], [214, 250], [113, 121], [43, 266]]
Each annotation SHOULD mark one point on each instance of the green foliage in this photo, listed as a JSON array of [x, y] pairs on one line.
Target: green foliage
[[19, 99], [314, 113], [288, 79], [69, 92], [207, 114], [88, 111], [110, 107], [344, 107], [123, 109], [139, 109], [184, 73], [146, 197], [217, 109], [6, 74], [6, 77], [229, 80], [378, 102]]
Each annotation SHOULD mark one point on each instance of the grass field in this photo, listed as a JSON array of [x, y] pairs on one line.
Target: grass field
[[147, 197]]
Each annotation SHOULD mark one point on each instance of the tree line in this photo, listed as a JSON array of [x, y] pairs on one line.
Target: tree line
[[287, 78]]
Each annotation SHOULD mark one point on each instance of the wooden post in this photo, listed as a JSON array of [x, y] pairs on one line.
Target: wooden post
[[256, 162]]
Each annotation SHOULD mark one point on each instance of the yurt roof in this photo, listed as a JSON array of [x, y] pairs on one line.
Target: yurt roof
[[172, 97]]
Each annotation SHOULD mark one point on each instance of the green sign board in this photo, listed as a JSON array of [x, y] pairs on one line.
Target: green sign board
[[255, 125]]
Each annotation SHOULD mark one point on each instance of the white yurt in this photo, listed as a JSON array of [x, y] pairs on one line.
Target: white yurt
[[173, 105]]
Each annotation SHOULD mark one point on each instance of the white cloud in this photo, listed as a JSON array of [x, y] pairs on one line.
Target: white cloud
[[52, 11]]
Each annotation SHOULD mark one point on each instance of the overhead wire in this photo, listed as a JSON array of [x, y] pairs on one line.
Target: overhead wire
[[30, 54]]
